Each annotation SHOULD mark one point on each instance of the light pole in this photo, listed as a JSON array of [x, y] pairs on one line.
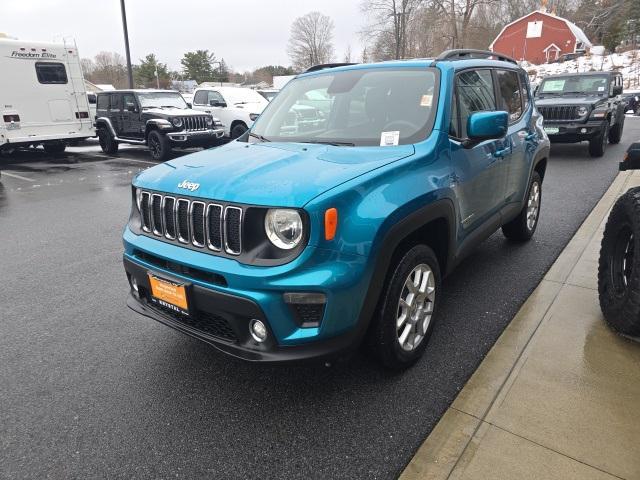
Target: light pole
[[126, 43]]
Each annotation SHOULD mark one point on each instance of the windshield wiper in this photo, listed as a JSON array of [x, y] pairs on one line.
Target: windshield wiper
[[336, 144], [259, 137]]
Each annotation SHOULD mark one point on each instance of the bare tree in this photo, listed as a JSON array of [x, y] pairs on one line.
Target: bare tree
[[110, 69], [388, 25], [347, 54], [310, 42]]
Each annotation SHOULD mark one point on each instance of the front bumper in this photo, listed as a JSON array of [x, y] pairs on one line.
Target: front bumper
[[222, 310], [195, 137], [572, 132]]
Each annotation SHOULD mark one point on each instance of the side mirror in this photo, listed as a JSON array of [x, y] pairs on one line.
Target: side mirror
[[131, 107], [617, 90], [189, 105], [486, 126]]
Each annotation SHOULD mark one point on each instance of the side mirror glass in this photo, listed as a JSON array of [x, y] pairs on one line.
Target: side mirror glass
[[487, 125]]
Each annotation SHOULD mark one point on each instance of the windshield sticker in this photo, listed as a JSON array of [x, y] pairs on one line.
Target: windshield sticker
[[426, 100], [601, 89], [389, 139], [554, 85]]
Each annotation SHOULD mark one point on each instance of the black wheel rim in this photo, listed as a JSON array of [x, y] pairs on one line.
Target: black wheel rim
[[622, 260], [154, 147]]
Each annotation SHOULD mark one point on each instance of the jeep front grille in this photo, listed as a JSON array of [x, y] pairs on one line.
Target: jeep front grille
[[195, 123], [560, 113], [192, 222]]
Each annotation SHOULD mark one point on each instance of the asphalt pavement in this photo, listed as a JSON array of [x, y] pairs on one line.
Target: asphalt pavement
[[91, 390]]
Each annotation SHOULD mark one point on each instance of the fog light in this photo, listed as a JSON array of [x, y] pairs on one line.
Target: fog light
[[583, 130], [134, 286], [258, 330]]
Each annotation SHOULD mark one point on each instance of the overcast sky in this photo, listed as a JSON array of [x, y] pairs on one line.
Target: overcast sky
[[247, 34]]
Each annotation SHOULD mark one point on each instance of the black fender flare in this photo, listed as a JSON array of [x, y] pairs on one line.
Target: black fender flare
[[400, 231]]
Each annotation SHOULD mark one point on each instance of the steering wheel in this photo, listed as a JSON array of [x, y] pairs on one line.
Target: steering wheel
[[398, 124]]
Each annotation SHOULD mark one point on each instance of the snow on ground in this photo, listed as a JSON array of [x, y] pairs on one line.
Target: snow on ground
[[628, 63]]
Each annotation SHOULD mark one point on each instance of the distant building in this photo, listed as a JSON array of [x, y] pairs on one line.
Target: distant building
[[540, 37]]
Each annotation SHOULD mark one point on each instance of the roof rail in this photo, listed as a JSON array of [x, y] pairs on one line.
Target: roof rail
[[322, 66], [465, 53]]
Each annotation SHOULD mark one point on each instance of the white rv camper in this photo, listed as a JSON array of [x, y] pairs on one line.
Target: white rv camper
[[43, 100]]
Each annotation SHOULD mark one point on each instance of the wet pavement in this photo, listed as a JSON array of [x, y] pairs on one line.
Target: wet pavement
[[556, 398], [91, 390]]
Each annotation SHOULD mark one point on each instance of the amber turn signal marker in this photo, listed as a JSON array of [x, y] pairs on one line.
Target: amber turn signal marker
[[330, 223]]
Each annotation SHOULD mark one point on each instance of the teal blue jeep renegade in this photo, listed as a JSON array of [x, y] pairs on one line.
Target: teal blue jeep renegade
[[332, 222]]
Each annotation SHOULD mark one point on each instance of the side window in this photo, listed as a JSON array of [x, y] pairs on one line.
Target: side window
[[116, 102], [510, 99], [200, 98], [215, 97], [129, 100], [51, 72], [103, 102], [474, 89]]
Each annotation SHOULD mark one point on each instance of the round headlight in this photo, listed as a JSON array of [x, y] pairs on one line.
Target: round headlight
[[582, 111], [177, 122], [283, 228], [209, 121]]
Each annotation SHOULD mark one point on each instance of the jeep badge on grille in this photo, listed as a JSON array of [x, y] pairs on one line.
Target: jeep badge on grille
[[187, 185]]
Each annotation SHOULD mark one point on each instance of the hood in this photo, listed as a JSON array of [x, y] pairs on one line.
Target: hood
[[559, 100], [252, 107], [275, 174], [172, 112]]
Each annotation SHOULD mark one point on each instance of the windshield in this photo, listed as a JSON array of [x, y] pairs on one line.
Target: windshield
[[381, 106], [236, 96], [598, 84], [162, 99]]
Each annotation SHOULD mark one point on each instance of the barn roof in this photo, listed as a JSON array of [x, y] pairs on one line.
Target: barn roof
[[575, 30]]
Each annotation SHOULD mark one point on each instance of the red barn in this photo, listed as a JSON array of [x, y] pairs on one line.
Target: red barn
[[540, 37]]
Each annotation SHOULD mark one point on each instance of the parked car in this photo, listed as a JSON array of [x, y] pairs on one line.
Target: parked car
[[160, 119], [632, 102], [619, 272], [236, 107], [583, 107], [292, 244]]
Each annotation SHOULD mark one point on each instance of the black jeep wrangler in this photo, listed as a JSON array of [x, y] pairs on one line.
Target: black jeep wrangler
[[582, 106], [160, 119]]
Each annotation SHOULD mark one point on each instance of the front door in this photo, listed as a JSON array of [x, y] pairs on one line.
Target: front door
[[131, 125], [480, 171]]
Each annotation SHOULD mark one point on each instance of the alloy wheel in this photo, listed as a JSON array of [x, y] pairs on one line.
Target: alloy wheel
[[415, 307], [533, 206]]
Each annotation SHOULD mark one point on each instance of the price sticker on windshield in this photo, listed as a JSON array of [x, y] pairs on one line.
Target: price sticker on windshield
[[389, 139]]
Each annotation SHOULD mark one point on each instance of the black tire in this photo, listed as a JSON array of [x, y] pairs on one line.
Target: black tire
[[598, 145], [619, 268], [383, 338], [108, 144], [54, 148], [159, 146], [615, 134], [522, 228], [238, 130]]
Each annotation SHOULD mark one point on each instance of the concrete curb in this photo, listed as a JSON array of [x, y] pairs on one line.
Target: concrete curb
[[439, 455]]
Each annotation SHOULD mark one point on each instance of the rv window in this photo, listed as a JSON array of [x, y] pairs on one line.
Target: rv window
[[103, 102], [50, 72]]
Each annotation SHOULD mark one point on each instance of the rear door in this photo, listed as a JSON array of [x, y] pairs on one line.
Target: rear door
[[520, 136], [131, 125], [115, 113], [479, 171]]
